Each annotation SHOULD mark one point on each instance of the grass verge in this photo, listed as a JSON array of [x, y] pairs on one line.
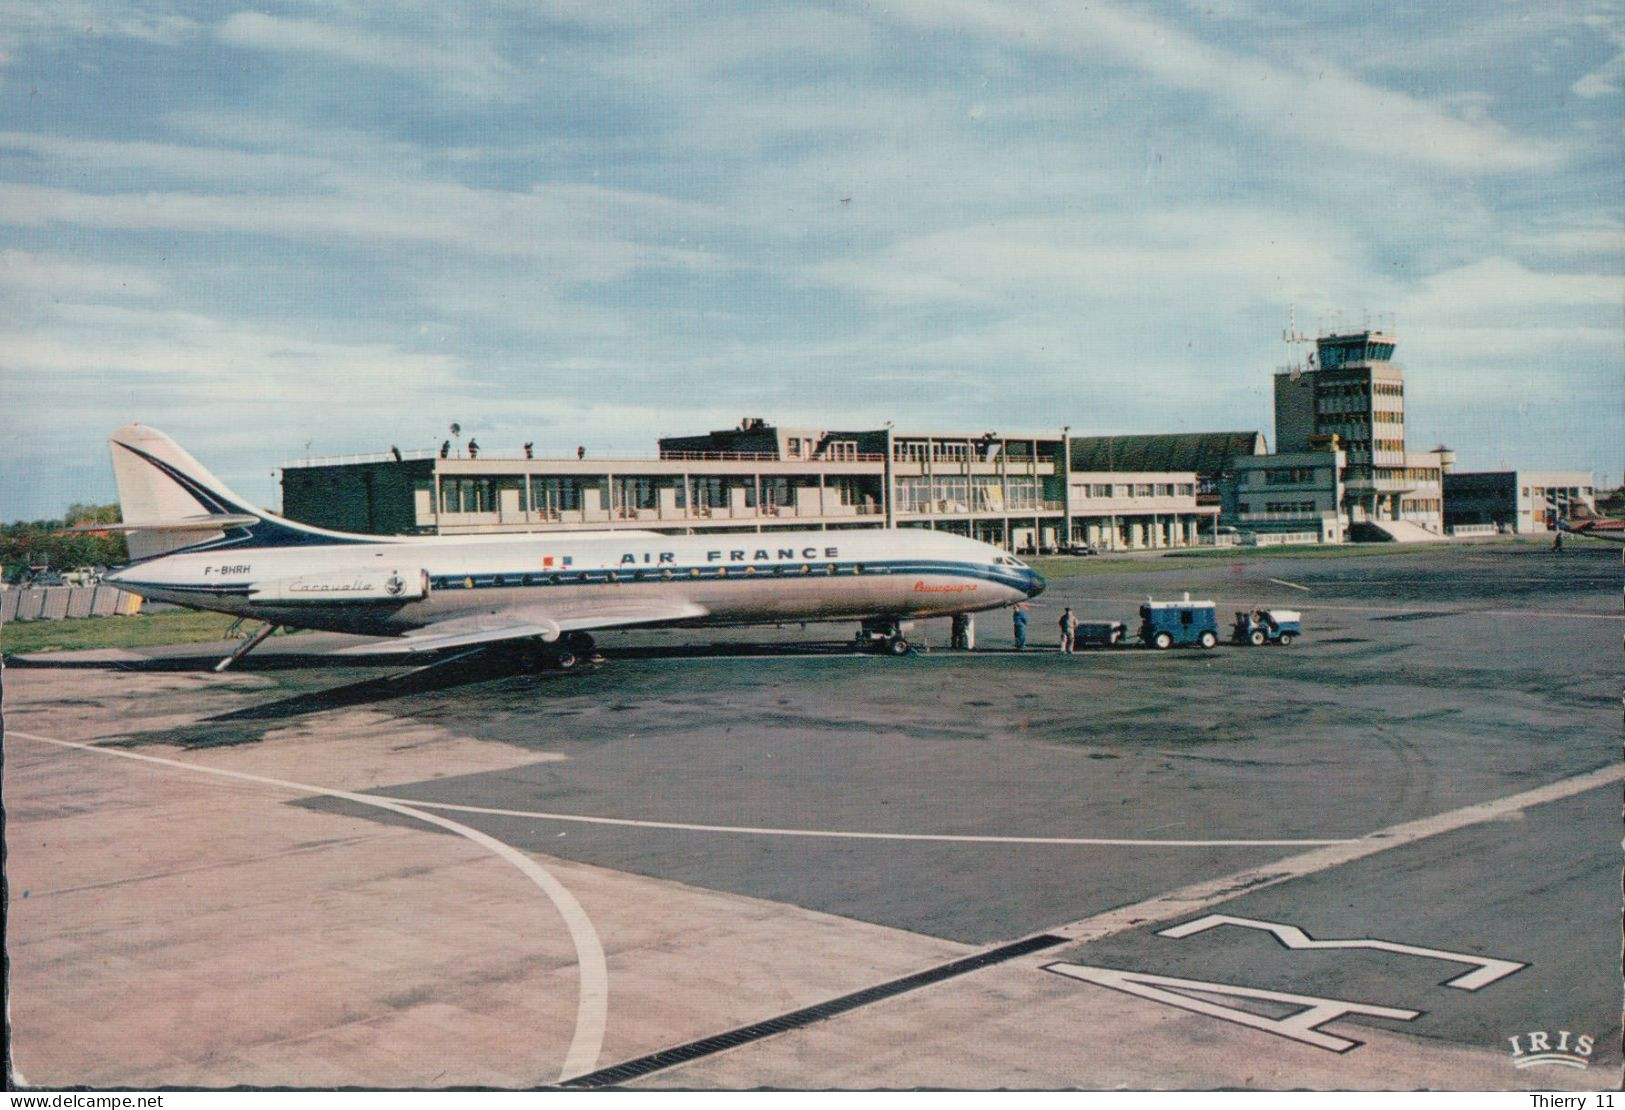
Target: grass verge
[[145, 630]]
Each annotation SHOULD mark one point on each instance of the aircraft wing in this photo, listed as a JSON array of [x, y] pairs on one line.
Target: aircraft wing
[[1597, 528], [210, 522], [527, 624]]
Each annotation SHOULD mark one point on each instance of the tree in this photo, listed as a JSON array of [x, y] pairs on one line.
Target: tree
[[47, 543], [80, 513]]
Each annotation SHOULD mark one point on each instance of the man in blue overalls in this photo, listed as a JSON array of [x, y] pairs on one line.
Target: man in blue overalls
[[1019, 619]]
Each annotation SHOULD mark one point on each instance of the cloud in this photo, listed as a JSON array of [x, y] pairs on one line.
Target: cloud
[[465, 67], [1214, 251], [1499, 292], [1599, 239], [80, 20], [165, 161], [25, 274], [126, 341], [1307, 101], [580, 233], [241, 394], [1605, 81]]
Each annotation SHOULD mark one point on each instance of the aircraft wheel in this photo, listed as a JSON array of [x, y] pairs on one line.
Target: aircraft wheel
[[1208, 640], [566, 660], [1162, 641], [1286, 639], [1257, 637], [897, 646]]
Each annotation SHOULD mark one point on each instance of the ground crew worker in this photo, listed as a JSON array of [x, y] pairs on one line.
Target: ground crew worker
[[1069, 630], [1019, 620]]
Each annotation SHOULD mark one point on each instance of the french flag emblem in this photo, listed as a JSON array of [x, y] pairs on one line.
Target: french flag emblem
[[550, 562]]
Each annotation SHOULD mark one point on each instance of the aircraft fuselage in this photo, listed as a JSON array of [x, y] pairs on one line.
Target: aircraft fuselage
[[396, 585]]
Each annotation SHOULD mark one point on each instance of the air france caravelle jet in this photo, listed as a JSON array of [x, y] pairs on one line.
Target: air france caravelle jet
[[195, 543]]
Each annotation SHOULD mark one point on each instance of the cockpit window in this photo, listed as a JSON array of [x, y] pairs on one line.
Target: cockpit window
[[1009, 561]]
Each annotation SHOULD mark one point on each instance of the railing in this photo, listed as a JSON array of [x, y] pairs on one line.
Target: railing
[[1278, 539], [624, 514], [948, 506], [763, 456], [455, 455], [506, 455], [347, 460], [1307, 516]]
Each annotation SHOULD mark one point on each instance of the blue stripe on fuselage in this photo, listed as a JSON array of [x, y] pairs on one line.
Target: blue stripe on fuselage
[[601, 576], [711, 572]]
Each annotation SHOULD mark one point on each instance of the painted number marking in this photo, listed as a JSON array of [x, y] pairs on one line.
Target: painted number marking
[[1290, 936], [1303, 1026], [1313, 1012]]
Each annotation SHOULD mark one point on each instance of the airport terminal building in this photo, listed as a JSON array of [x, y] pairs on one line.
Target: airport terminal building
[[1022, 492], [1341, 470], [1518, 501], [1290, 497]]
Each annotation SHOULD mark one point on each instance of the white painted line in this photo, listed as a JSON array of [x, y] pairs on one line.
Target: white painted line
[[1469, 612], [1202, 896], [1294, 585], [592, 1002], [838, 834]]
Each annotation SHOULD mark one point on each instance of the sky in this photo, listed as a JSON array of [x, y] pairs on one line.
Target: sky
[[326, 229]]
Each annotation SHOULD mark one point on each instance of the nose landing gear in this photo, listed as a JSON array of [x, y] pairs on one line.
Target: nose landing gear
[[885, 636]]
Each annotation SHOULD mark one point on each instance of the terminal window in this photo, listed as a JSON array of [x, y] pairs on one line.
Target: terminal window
[[468, 495]]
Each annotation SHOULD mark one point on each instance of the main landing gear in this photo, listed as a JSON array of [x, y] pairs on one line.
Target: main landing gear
[[569, 652], [885, 636]]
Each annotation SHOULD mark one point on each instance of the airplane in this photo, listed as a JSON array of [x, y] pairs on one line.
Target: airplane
[[195, 543], [1584, 522]]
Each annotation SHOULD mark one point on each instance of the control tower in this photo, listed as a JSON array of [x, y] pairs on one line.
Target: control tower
[[1353, 390]]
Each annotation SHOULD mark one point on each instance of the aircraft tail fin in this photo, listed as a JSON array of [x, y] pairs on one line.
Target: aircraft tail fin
[[169, 500]]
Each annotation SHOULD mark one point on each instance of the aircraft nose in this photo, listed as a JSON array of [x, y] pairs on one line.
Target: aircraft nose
[[1034, 584]]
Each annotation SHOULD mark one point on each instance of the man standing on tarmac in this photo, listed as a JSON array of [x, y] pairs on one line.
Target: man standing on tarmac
[[1018, 618], [1069, 630]]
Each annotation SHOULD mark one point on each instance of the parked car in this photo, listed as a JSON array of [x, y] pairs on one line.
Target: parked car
[[1080, 549]]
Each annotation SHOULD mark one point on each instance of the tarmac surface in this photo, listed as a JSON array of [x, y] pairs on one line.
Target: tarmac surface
[[727, 859]]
